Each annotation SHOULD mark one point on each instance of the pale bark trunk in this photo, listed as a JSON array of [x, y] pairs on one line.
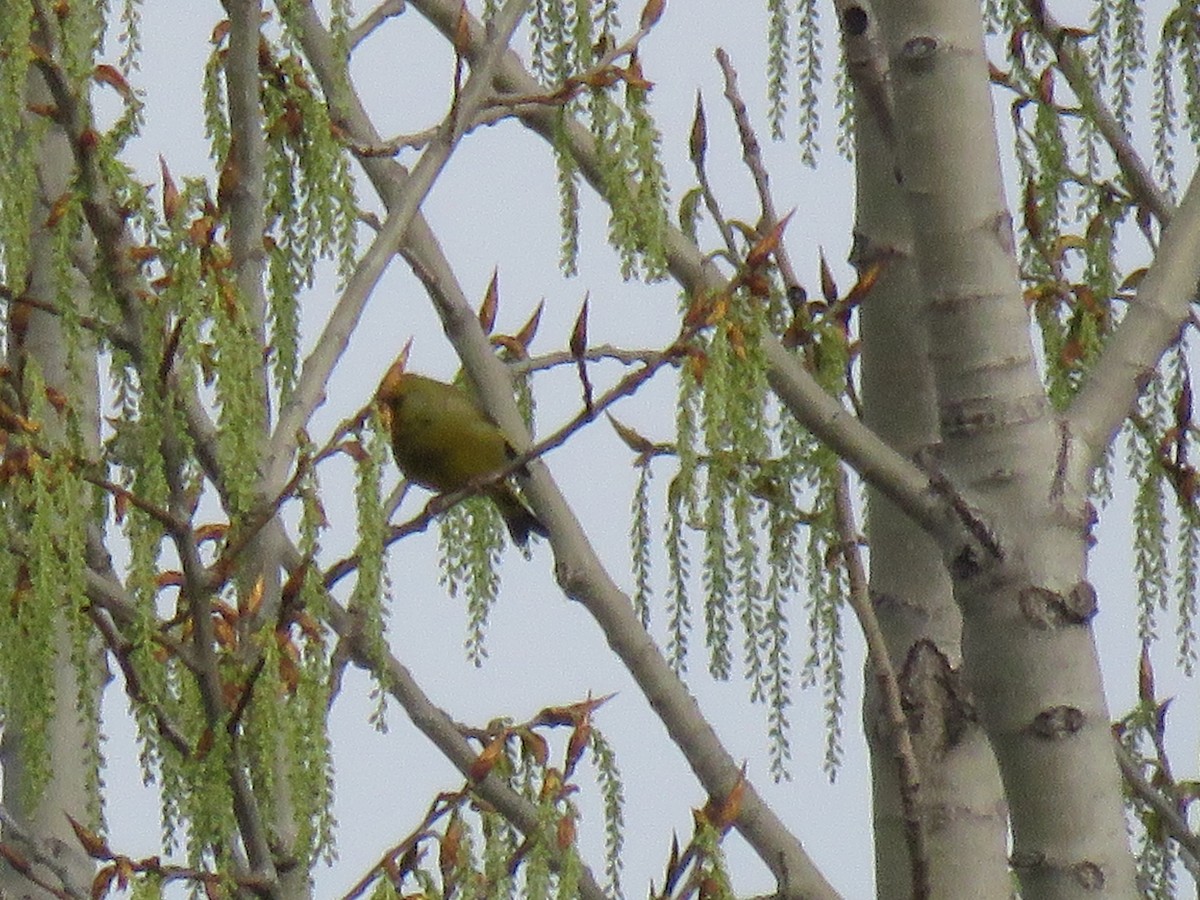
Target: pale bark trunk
[[72, 788], [1028, 651], [961, 799]]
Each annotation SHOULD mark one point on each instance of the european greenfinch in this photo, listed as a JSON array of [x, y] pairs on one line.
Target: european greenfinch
[[442, 440]]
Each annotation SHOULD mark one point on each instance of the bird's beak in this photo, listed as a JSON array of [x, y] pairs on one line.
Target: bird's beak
[[389, 386]]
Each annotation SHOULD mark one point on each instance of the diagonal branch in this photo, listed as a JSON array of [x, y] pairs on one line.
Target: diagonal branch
[[1151, 325], [432, 721], [580, 572], [581, 575], [1137, 174], [903, 482], [916, 831], [403, 207], [121, 649], [49, 857], [1168, 810]]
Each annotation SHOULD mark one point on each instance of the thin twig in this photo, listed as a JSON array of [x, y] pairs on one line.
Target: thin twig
[[1165, 808], [100, 328], [915, 829], [120, 649], [372, 20], [52, 861], [699, 139], [573, 84], [441, 805], [752, 156], [600, 353], [1137, 174], [169, 522], [405, 205], [442, 502], [419, 139]]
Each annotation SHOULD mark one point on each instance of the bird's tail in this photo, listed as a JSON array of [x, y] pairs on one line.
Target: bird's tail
[[518, 517]]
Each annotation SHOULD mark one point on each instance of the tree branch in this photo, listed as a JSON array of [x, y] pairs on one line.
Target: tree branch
[[403, 206], [1137, 174], [120, 649], [372, 20], [437, 726], [909, 771], [752, 156], [1151, 325], [48, 858], [1166, 810]]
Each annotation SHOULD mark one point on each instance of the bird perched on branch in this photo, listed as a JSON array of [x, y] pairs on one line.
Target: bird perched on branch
[[443, 440]]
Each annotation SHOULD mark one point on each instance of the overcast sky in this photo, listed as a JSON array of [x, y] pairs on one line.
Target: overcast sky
[[496, 206]]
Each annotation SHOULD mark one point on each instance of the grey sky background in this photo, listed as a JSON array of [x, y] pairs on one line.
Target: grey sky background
[[496, 206]]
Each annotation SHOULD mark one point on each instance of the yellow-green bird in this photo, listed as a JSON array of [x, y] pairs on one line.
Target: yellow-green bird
[[442, 440]]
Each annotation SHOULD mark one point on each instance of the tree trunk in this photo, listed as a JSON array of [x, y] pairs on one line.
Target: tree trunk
[[1029, 657], [961, 800], [39, 341]]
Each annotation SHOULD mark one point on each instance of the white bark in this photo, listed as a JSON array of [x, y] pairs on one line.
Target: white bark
[[961, 800], [1028, 651], [71, 790]]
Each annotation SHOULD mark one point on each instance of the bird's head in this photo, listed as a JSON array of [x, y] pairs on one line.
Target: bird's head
[[391, 387]]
